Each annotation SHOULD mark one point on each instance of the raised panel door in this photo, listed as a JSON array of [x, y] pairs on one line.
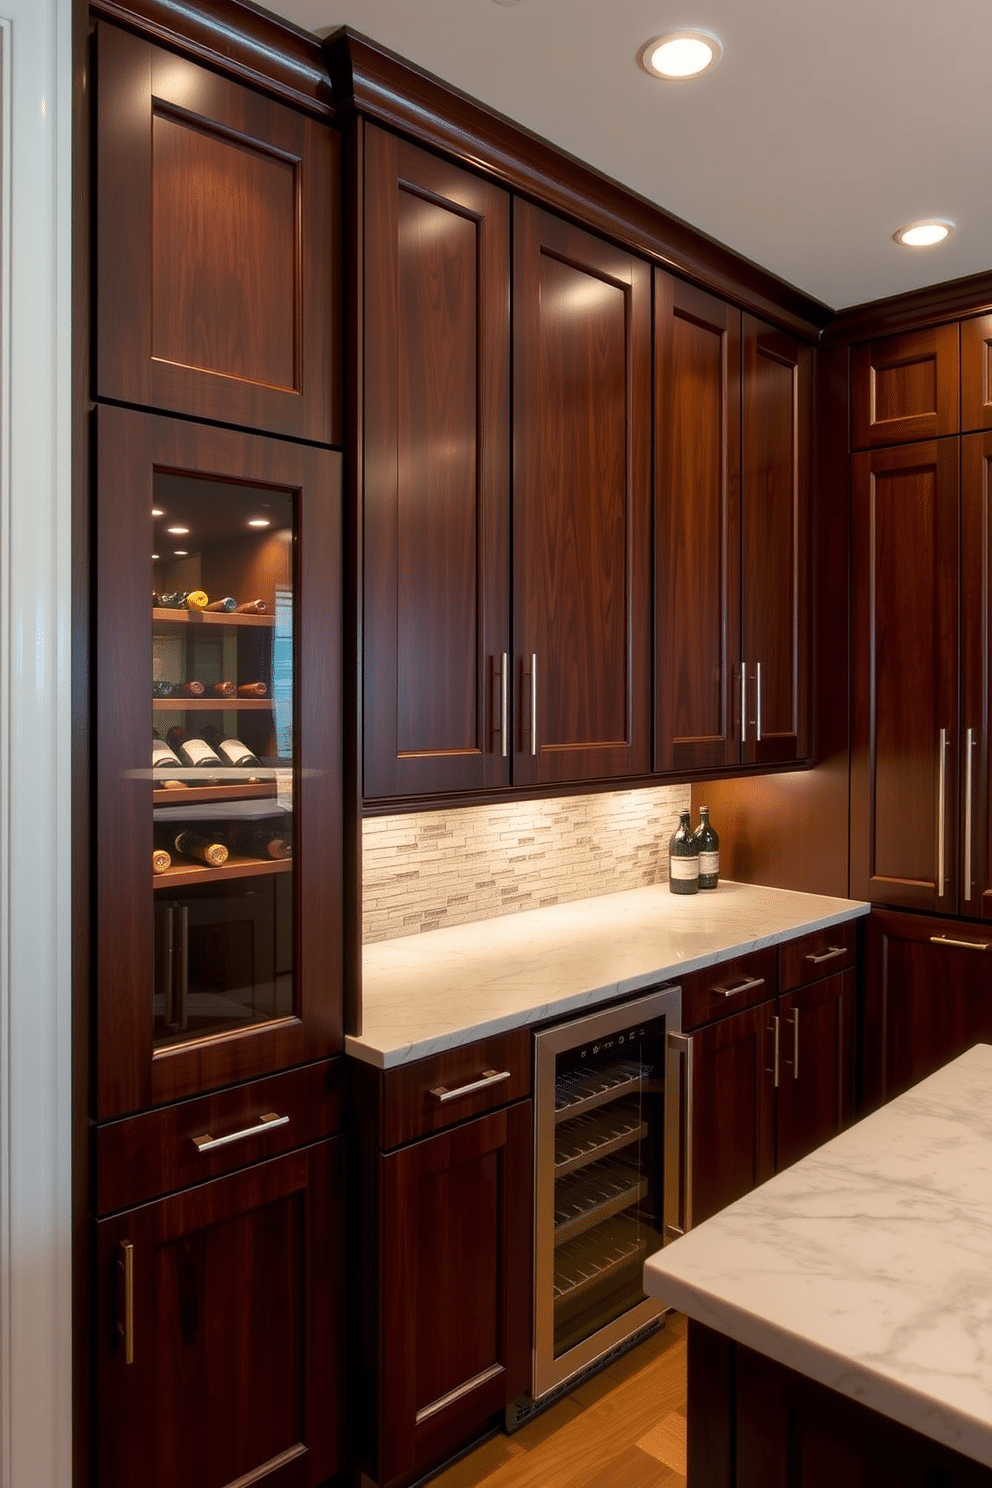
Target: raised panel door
[[218, 1337], [775, 554], [216, 257], [733, 1109], [697, 528], [905, 694], [975, 835], [436, 474], [976, 364], [581, 504], [905, 388], [816, 1065]]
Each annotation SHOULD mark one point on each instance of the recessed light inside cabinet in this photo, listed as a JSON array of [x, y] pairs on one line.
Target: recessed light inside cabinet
[[177, 531], [259, 522], [154, 557], [180, 553], [157, 511], [681, 54], [925, 234]]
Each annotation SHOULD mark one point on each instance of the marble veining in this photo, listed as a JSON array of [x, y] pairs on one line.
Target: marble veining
[[423, 994], [867, 1265]]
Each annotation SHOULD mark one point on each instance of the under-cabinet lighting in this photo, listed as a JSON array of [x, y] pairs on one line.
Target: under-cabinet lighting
[[681, 54], [177, 531], [925, 234]]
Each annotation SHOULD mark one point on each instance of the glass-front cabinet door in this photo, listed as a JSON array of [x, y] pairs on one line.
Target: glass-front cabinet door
[[217, 829]]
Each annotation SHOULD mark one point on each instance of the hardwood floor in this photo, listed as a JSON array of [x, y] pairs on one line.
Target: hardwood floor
[[624, 1428]]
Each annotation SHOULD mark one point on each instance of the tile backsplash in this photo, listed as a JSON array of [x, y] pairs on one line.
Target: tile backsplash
[[424, 870]]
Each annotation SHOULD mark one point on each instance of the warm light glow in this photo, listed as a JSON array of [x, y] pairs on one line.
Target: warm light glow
[[157, 511], [681, 54], [180, 553], [259, 522], [154, 557], [178, 531], [924, 234]]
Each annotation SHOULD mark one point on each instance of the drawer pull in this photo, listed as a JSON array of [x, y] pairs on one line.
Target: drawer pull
[[827, 955], [966, 945], [747, 985], [207, 1143], [488, 1077]]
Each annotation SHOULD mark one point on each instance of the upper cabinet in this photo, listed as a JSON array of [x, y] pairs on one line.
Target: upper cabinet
[[905, 388], [581, 504], [976, 364], [216, 247], [732, 409]]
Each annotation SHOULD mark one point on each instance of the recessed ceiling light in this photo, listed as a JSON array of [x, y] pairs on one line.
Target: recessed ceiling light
[[925, 234], [259, 522], [178, 531], [681, 54]]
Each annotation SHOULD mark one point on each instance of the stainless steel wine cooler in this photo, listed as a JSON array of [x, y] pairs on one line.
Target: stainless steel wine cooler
[[607, 1177]]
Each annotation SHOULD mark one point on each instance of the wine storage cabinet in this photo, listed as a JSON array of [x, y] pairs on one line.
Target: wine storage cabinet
[[218, 854]]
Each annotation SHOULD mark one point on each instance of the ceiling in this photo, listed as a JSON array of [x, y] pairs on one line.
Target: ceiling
[[827, 125]]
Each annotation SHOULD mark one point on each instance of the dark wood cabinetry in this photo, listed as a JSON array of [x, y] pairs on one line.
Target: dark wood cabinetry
[[216, 246], [905, 388], [928, 998]]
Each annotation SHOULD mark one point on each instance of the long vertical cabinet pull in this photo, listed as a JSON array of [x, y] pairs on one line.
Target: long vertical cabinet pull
[[533, 702], [126, 1328], [503, 706], [743, 702], [969, 745], [941, 814], [795, 1043], [680, 1044], [757, 702]]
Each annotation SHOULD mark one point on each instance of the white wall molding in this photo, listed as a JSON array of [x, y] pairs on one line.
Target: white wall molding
[[35, 732]]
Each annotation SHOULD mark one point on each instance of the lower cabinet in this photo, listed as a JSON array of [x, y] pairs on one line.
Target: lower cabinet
[[928, 998], [447, 1244]]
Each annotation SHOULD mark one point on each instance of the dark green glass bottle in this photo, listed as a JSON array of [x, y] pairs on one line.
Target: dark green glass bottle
[[709, 851], [683, 859]]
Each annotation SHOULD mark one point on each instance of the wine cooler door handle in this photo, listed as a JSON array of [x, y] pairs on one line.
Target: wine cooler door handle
[[126, 1326], [486, 1079], [207, 1143], [747, 985], [682, 1045]]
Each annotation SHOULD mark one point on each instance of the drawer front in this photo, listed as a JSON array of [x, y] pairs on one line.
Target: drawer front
[[142, 1157], [717, 991], [818, 955], [434, 1093]]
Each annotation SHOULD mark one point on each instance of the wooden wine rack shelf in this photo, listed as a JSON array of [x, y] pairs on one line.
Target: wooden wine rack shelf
[[178, 704], [197, 795], [184, 875], [212, 617]]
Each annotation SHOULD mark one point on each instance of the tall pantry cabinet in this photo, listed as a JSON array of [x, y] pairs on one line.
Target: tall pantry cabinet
[[217, 1175]]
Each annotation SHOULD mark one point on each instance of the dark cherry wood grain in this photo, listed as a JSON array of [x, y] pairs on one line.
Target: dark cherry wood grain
[[581, 504], [905, 388], [816, 1065], [697, 349], [455, 1323], [976, 362], [733, 1106], [237, 38], [975, 834], [905, 684], [140, 1157], [373, 81], [775, 551], [819, 954], [929, 306], [436, 463], [926, 999], [221, 313], [408, 1110], [131, 447], [238, 1362], [711, 1383], [718, 991]]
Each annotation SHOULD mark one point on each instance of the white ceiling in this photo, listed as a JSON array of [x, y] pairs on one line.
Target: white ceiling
[[827, 125]]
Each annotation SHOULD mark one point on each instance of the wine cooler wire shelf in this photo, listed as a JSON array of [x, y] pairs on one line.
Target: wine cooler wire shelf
[[586, 1139], [599, 1191], [213, 617], [588, 1086], [595, 1258], [186, 875]]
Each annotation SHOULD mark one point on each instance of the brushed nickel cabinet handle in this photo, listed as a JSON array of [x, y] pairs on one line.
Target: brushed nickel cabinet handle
[[127, 1265], [533, 703], [757, 707], [207, 1143], [969, 744], [502, 706], [965, 945], [488, 1077], [743, 702], [745, 986], [827, 955], [795, 1043], [683, 1043], [776, 1022], [941, 813]]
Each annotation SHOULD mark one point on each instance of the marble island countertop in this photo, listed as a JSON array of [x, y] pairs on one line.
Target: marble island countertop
[[426, 993], [867, 1265]]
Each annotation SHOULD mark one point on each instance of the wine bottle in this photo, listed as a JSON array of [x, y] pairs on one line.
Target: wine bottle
[[171, 601], [261, 841], [160, 860], [196, 599], [252, 689], [192, 688], [709, 851], [683, 859], [223, 689], [223, 605], [195, 845], [161, 687], [193, 751], [163, 757], [252, 607], [232, 751]]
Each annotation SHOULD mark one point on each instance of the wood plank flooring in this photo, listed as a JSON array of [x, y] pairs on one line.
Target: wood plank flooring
[[624, 1428]]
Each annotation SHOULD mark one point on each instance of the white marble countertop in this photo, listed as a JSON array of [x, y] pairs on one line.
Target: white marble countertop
[[868, 1265], [426, 993]]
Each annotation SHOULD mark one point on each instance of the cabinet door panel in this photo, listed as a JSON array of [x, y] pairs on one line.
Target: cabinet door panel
[[202, 309], [733, 1109], [976, 364], [816, 1068], [905, 388], [237, 1335], [436, 473], [581, 563], [697, 528], [976, 673], [456, 1279], [775, 554], [905, 607]]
